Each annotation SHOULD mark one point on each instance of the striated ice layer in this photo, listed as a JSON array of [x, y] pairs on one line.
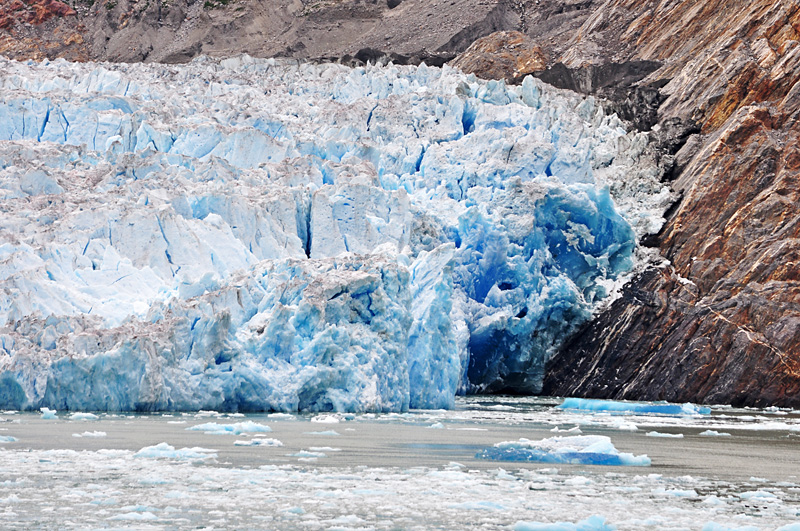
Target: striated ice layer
[[261, 235], [575, 450]]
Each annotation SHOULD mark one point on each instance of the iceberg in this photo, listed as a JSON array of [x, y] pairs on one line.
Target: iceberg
[[167, 451], [575, 450], [633, 408], [268, 235], [238, 428]]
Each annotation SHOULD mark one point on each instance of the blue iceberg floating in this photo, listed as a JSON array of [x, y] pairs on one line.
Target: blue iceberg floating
[[634, 408], [577, 450]]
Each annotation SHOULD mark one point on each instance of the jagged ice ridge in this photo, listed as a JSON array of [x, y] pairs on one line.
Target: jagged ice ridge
[[248, 234]]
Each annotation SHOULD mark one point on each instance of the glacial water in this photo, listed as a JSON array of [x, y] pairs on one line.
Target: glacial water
[[731, 469]]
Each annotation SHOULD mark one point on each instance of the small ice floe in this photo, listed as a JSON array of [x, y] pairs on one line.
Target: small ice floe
[[330, 433], [572, 431], [7, 439], [479, 506], [577, 450], [213, 428], [627, 426], [637, 408], [166, 451], [307, 454], [593, 523], [134, 517], [48, 414], [501, 407], [758, 495], [259, 442], [326, 419], [666, 435], [713, 433], [324, 449], [675, 493], [90, 434], [713, 526], [281, 416], [436, 426], [83, 416]]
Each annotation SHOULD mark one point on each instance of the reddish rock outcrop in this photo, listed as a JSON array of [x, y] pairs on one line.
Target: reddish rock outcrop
[[39, 29], [509, 55], [32, 11]]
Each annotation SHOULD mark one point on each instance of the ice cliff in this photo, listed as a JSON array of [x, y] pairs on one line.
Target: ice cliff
[[253, 234]]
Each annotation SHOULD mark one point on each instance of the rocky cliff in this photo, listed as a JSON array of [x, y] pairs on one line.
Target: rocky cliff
[[714, 82], [719, 322]]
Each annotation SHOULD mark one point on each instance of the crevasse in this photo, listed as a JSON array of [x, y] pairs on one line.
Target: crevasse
[[248, 234]]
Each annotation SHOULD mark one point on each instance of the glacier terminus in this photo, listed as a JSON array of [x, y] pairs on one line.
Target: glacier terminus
[[260, 234]]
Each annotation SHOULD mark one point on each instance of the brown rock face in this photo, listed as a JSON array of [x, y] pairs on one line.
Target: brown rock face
[[37, 29], [509, 55], [722, 322]]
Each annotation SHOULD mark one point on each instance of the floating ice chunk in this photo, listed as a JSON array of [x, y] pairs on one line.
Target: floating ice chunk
[[760, 495], [83, 416], [164, 450], [576, 430], [677, 493], [308, 454], [48, 413], [330, 433], [577, 450], [282, 416], [713, 433], [666, 435], [259, 442], [593, 523], [213, 428], [326, 419], [789, 527], [90, 434], [713, 526], [638, 408], [436, 426], [324, 449], [713, 500], [479, 506], [134, 517], [7, 439]]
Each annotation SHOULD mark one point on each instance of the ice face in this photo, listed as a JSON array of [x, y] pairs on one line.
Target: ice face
[[261, 235], [575, 450]]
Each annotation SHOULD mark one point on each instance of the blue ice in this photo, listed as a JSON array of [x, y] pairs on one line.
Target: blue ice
[[575, 450], [633, 408], [309, 238]]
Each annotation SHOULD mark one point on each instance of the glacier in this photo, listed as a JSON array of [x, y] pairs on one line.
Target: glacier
[[259, 234]]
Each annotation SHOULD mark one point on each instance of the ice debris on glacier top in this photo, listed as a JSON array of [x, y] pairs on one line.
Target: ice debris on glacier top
[[252, 234], [574, 450]]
